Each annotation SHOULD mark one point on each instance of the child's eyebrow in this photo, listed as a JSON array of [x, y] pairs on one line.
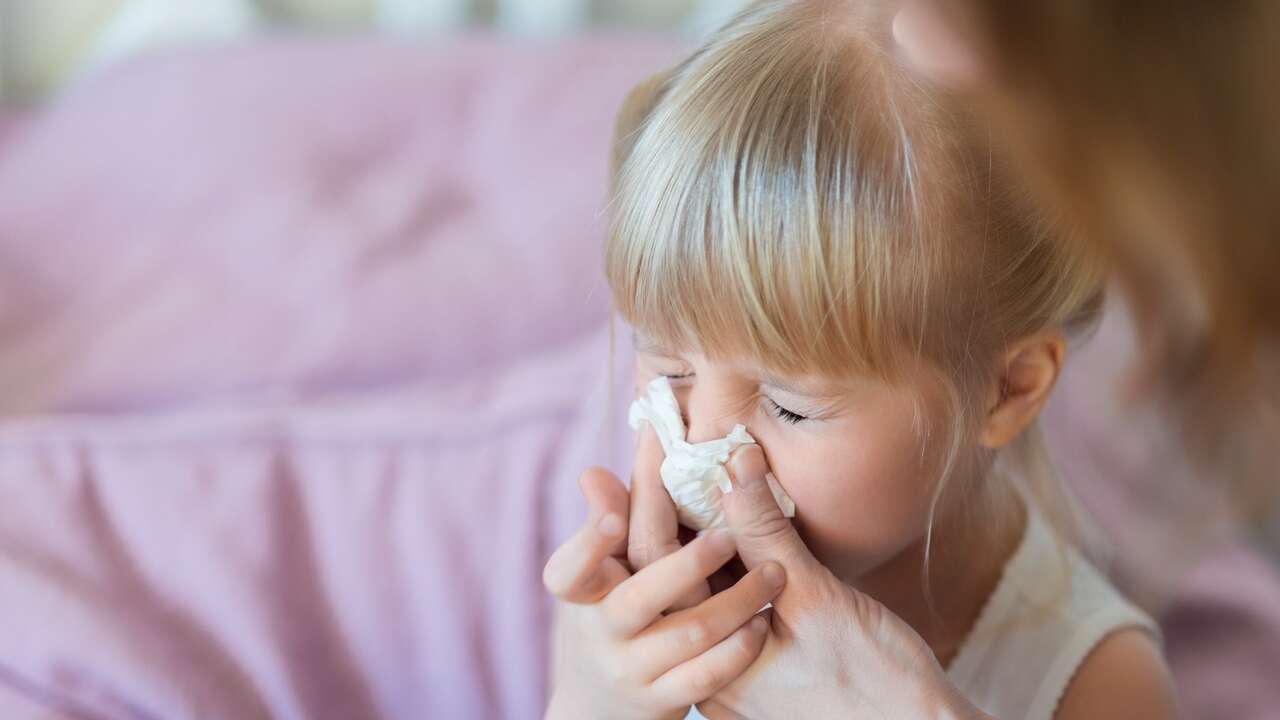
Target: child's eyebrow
[[795, 387], [784, 384]]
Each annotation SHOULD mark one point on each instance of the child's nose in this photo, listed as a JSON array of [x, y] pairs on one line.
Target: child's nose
[[707, 417]]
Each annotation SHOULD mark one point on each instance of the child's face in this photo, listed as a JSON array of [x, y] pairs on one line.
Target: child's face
[[856, 464]]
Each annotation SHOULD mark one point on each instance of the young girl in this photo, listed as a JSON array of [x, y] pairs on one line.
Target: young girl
[[809, 244]]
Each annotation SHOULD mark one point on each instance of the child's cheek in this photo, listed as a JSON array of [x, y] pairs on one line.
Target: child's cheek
[[859, 502]]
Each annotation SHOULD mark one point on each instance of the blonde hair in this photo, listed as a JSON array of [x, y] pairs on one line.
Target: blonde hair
[[791, 197]]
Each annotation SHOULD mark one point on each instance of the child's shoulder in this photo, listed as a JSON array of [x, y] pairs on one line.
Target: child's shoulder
[[1124, 676], [1057, 640]]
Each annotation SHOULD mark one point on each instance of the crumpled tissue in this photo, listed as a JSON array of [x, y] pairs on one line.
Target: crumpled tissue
[[694, 474]]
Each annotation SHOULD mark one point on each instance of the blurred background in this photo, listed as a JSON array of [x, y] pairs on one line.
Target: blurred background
[[48, 43]]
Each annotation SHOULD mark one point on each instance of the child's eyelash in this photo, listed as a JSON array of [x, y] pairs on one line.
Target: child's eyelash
[[676, 377], [784, 414]]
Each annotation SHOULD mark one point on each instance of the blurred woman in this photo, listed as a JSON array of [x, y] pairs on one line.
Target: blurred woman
[[1153, 125]]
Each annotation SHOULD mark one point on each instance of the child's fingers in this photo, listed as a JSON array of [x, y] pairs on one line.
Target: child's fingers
[[682, 636], [582, 570], [579, 570], [605, 494], [707, 674], [634, 604], [654, 529], [697, 594]]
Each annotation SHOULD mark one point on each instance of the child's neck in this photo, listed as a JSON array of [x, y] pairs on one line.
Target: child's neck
[[965, 568]]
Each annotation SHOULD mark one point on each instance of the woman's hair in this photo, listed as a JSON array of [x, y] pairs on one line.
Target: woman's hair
[[792, 197], [1156, 127]]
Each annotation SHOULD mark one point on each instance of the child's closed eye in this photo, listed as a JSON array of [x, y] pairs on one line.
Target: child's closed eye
[[784, 414]]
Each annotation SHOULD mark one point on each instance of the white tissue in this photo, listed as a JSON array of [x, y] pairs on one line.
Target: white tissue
[[694, 474]]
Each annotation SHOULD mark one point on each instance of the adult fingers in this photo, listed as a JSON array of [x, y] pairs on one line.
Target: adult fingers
[[761, 531]]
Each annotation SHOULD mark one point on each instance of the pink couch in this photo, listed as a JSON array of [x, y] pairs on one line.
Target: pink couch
[[302, 345]]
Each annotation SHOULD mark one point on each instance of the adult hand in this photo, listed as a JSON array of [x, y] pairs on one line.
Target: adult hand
[[932, 41], [831, 651]]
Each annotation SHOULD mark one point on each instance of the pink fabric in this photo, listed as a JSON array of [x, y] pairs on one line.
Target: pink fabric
[[378, 558], [10, 122], [291, 219], [302, 346]]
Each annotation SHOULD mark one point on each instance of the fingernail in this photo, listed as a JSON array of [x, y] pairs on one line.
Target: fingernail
[[748, 467], [759, 624], [720, 540], [774, 574], [610, 525]]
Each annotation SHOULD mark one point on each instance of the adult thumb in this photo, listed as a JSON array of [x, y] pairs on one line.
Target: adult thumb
[[759, 527]]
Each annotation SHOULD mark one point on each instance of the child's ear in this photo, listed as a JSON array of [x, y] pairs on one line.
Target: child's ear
[[1030, 369]]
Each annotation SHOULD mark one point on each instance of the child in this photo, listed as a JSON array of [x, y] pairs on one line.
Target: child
[[811, 245]]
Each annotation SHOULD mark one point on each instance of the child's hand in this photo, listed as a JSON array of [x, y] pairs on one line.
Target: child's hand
[[618, 653]]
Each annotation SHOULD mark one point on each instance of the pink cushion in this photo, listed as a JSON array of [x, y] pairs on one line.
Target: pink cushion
[[285, 220]]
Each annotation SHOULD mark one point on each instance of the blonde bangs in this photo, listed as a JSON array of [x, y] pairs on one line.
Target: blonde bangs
[[768, 209]]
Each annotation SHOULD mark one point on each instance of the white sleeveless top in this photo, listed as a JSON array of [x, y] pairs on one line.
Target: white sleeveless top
[[1036, 629]]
